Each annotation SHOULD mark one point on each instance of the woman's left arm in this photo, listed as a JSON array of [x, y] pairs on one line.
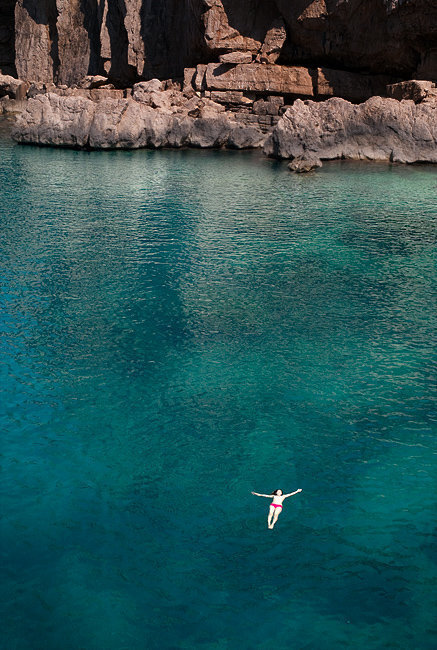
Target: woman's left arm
[[291, 493]]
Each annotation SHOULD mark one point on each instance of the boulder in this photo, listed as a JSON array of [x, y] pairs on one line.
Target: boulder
[[236, 57], [142, 90], [12, 87], [273, 42], [415, 90], [93, 81], [259, 78], [232, 97], [304, 164], [269, 106], [378, 129]]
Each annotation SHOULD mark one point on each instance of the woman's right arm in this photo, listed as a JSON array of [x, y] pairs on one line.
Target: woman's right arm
[[261, 495]]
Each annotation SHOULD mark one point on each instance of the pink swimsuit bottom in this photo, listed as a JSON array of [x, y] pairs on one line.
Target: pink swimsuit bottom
[[276, 505]]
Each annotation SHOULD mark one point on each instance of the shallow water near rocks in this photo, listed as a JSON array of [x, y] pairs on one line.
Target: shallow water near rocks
[[180, 328]]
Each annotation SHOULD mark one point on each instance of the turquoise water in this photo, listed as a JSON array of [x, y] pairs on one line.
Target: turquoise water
[[180, 328]]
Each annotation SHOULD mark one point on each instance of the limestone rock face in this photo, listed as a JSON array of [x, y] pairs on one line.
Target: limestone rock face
[[35, 26], [379, 36], [378, 129], [76, 121], [260, 78], [61, 121], [133, 40], [66, 40]]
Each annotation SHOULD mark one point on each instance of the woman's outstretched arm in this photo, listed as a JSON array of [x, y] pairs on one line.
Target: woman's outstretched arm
[[291, 493], [261, 495]]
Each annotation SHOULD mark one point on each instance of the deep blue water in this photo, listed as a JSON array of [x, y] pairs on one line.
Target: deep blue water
[[179, 328]]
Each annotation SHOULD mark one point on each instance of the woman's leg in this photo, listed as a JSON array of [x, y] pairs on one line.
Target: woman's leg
[[270, 516], [275, 516]]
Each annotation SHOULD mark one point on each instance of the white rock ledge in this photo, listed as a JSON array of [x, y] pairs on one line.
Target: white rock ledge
[[379, 129], [73, 121]]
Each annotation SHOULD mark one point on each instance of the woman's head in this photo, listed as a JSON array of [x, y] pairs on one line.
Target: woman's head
[[277, 493]]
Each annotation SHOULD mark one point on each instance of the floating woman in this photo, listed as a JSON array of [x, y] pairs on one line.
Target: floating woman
[[276, 505]]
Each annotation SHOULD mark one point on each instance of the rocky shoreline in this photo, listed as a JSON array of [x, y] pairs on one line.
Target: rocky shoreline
[[157, 114], [305, 81]]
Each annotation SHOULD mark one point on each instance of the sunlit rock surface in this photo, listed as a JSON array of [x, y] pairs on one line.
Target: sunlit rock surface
[[379, 129]]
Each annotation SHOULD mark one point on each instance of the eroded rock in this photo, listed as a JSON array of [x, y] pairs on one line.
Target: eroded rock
[[273, 42], [379, 129], [63, 41], [236, 57], [76, 121], [414, 89], [93, 81], [12, 87], [256, 77]]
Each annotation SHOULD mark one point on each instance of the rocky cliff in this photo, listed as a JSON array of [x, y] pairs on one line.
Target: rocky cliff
[[294, 76], [62, 41]]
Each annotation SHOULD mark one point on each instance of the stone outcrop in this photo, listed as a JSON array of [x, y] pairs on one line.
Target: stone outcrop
[[413, 89], [156, 114], [294, 81], [12, 87], [304, 164], [150, 118], [379, 129], [256, 77]]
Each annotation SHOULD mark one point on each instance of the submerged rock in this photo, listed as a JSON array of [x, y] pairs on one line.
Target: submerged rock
[[304, 164], [378, 129]]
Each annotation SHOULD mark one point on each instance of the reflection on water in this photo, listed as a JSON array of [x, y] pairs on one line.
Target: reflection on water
[[179, 328]]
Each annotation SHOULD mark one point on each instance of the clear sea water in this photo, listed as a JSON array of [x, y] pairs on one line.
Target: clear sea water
[[179, 328]]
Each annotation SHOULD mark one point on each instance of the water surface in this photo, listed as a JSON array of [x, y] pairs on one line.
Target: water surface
[[179, 328]]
